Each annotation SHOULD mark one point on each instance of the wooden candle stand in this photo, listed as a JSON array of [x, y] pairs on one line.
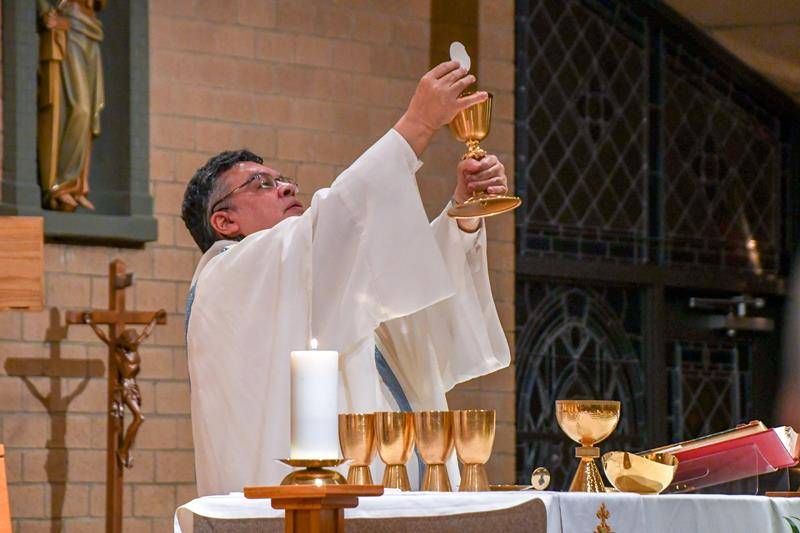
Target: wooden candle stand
[[311, 508]]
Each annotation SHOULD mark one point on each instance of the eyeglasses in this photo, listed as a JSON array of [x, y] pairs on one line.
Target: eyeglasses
[[266, 182]]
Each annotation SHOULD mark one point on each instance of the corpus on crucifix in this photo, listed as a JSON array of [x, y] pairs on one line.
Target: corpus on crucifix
[[127, 360]]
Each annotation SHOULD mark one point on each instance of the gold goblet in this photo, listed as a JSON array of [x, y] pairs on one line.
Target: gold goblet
[[587, 422], [643, 474], [357, 439], [394, 434], [474, 437], [433, 432], [470, 126]]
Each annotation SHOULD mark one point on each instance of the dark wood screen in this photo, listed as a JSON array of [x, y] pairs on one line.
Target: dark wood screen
[[653, 167]]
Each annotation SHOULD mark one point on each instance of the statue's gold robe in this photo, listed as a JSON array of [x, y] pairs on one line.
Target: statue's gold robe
[[71, 99]]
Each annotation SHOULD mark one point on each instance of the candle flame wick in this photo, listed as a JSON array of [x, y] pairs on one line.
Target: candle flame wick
[[313, 344]]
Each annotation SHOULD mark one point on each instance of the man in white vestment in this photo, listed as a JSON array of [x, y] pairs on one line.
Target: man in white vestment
[[407, 303]]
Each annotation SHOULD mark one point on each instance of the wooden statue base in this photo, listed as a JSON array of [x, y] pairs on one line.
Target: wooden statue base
[[313, 509]]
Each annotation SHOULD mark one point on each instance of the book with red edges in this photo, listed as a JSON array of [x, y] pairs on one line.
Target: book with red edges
[[745, 451]]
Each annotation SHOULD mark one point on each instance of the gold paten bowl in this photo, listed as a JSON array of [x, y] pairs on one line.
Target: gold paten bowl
[[642, 474], [587, 421]]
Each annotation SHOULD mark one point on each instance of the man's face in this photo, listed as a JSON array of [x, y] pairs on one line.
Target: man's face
[[252, 208]]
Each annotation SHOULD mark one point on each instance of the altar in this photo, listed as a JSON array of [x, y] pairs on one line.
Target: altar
[[535, 512]]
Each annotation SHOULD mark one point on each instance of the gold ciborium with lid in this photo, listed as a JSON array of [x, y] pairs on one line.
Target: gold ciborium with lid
[[587, 422], [471, 126]]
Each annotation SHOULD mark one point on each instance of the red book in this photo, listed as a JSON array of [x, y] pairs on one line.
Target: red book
[[742, 452]]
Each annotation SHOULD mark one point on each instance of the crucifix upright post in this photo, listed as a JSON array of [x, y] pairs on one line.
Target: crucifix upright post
[[119, 339]]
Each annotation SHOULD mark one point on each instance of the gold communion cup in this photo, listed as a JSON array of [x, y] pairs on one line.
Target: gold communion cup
[[473, 430], [643, 474], [433, 432], [394, 434], [357, 440], [471, 126], [587, 422]]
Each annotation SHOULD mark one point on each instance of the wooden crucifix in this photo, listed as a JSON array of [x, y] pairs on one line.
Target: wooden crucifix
[[123, 367]]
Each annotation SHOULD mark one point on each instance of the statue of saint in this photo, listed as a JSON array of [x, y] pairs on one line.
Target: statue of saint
[[126, 389], [71, 97]]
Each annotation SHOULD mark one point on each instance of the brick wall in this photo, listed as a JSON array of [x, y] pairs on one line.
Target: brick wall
[[308, 85]]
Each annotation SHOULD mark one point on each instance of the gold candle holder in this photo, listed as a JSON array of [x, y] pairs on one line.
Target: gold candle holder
[[587, 422], [313, 472], [433, 432], [473, 430], [471, 126], [394, 435], [357, 440]]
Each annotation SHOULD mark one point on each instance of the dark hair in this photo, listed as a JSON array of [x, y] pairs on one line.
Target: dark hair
[[194, 211]]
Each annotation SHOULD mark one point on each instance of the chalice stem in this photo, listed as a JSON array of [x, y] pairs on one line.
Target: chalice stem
[[436, 479], [474, 150], [359, 475], [474, 478], [587, 478], [396, 477]]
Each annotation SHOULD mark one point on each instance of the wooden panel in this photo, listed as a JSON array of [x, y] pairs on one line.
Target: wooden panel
[[5, 510], [21, 263]]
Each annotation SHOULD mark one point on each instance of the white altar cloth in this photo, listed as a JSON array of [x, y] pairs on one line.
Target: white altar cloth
[[566, 512]]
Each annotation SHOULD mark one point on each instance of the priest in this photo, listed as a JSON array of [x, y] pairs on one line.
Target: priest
[[407, 303]]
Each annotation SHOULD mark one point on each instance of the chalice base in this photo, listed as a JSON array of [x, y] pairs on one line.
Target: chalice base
[[474, 479], [359, 475], [587, 478], [483, 205], [396, 477], [436, 479], [313, 472]]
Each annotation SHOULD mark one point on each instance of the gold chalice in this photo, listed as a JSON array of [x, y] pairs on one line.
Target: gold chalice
[[473, 430], [587, 422], [394, 434], [357, 439], [433, 432], [643, 474], [470, 126]]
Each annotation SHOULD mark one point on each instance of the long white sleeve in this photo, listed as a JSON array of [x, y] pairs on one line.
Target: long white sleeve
[[455, 340]]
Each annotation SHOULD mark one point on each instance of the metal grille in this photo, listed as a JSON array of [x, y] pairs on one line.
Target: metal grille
[[575, 343], [709, 388], [581, 130], [722, 169]]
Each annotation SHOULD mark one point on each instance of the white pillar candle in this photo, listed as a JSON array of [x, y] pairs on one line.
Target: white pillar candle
[[315, 405]]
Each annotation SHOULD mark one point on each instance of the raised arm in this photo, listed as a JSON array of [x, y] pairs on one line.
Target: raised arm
[[87, 319], [161, 313]]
